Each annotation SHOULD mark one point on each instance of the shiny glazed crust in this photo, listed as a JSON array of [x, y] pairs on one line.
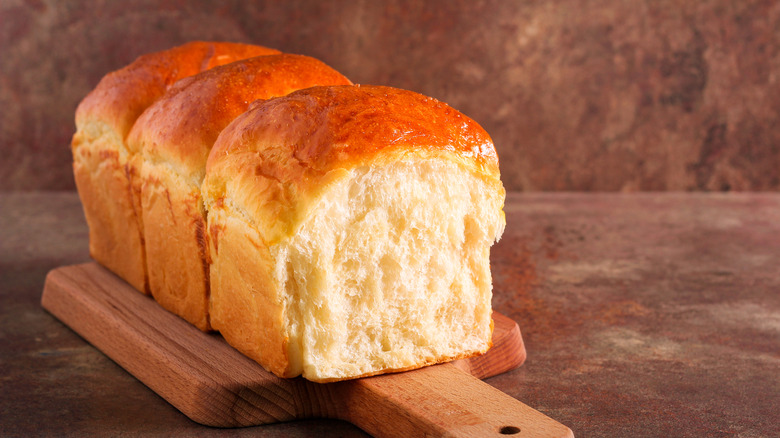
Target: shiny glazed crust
[[106, 170], [176, 134]]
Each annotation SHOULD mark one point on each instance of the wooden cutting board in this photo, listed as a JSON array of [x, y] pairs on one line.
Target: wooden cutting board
[[214, 384]]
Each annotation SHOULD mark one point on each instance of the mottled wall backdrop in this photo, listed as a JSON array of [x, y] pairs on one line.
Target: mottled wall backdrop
[[577, 94]]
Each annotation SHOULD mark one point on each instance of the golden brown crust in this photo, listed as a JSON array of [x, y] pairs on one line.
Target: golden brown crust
[[106, 171], [286, 148], [332, 126], [122, 95], [180, 128], [176, 135]]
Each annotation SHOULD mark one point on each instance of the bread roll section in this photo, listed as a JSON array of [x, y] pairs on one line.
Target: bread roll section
[[175, 136], [107, 170], [350, 230]]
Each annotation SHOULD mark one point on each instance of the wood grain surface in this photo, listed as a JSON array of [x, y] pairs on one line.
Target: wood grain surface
[[213, 384]]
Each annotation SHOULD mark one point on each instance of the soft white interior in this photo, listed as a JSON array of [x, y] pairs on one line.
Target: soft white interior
[[391, 270]]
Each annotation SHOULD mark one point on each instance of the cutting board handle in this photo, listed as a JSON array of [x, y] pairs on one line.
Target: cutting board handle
[[441, 400]]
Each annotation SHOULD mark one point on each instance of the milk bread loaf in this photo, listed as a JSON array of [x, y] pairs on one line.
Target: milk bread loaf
[[106, 170], [175, 135], [349, 231]]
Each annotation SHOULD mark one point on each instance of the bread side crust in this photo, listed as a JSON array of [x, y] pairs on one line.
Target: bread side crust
[[176, 246], [115, 240], [246, 304]]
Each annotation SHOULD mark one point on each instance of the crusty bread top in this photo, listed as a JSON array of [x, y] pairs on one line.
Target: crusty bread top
[[182, 126], [121, 96], [275, 158]]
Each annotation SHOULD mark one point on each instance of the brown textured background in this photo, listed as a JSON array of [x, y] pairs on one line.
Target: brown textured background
[[578, 95]]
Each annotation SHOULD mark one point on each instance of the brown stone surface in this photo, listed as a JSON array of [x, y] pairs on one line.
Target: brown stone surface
[[578, 95], [643, 315]]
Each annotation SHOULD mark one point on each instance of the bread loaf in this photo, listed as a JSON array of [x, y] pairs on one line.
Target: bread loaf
[[106, 168], [332, 232], [349, 230], [176, 134]]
